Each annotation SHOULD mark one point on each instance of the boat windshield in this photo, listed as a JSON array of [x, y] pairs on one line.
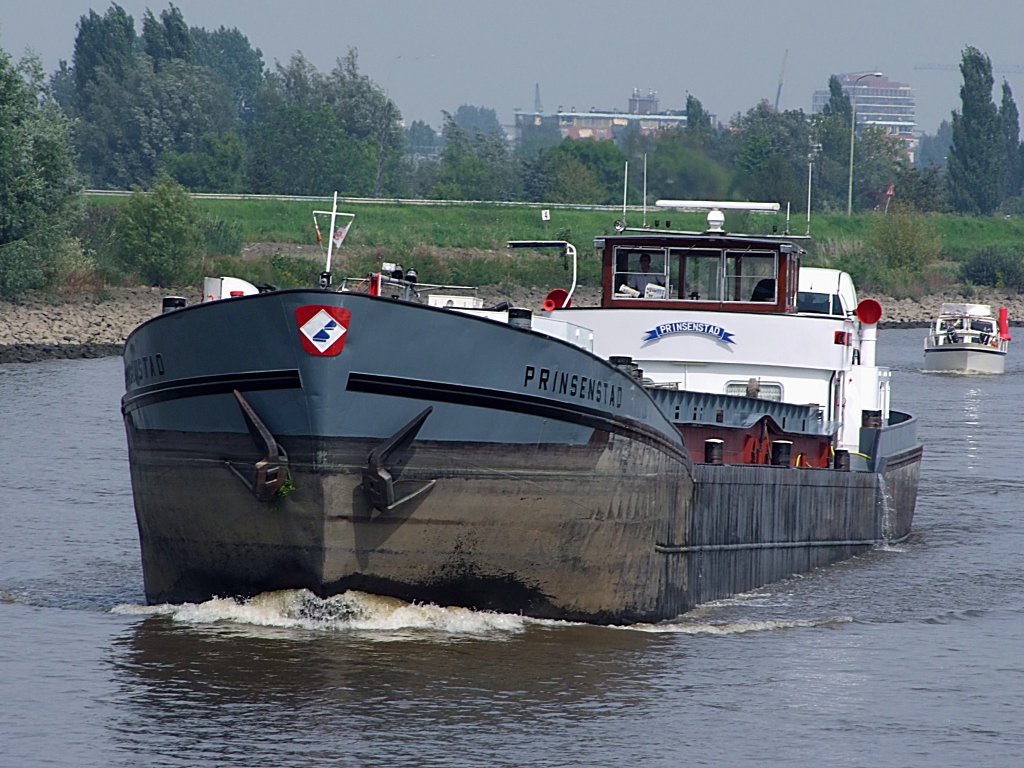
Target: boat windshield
[[981, 325], [818, 303]]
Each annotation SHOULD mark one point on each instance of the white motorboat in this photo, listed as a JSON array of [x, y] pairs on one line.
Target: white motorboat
[[967, 338]]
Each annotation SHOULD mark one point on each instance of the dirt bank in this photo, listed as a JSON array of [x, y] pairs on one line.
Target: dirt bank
[[95, 325]]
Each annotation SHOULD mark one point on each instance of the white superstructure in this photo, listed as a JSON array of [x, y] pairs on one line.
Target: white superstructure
[[738, 315]]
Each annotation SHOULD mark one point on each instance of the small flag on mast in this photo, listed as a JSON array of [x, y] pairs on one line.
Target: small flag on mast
[[339, 235]]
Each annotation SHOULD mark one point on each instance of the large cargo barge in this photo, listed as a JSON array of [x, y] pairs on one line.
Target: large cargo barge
[[611, 464]]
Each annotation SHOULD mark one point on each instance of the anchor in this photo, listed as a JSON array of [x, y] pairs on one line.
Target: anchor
[[378, 482], [270, 472]]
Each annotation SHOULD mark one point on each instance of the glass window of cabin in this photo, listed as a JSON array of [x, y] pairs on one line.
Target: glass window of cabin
[[750, 276], [641, 273], [813, 301], [698, 273], [762, 390]]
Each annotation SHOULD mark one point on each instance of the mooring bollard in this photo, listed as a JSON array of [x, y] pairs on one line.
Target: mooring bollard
[[781, 452], [871, 419], [714, 451], [520, 317], [171, 303], [841, 460]]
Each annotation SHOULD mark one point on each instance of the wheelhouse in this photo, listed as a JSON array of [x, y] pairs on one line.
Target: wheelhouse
[[668, 270]]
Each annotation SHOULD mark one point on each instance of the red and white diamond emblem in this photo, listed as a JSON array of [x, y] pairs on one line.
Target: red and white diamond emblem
[[323, 329]]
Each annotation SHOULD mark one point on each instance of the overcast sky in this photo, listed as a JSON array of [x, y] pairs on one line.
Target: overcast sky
[[437, 55]]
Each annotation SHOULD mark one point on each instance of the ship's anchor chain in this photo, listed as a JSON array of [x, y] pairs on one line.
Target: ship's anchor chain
[[270, 473], [380, 485]]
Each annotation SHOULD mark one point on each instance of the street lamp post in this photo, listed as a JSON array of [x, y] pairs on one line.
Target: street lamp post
[[815, 149], [853, 132]]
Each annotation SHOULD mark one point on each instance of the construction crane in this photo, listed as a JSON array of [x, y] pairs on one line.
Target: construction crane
[[782, 75]]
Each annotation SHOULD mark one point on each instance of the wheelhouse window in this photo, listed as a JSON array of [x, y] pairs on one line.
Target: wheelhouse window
[[699, 273], [641, 273], [696, 274], [707, 274], [750, 276]]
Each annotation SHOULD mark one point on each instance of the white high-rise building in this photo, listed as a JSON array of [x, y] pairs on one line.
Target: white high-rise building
[[878, 101]]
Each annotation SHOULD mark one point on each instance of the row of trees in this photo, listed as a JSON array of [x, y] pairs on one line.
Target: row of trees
[[202, 107]]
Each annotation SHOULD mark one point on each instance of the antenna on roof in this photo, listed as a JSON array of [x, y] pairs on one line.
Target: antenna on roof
[[716, 219], [722, 205], [645, 189], [625, 189]]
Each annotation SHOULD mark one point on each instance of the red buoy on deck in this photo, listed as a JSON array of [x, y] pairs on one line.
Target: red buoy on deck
[[869, 311]]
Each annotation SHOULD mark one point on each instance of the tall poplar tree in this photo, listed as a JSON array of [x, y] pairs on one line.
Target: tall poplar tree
[[166, 38], [105, 43], [977, 158], [1009, 126], [698, 122], [832, 137]]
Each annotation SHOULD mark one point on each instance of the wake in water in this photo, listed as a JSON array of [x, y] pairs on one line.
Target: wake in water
[[390, 619], [385, 617], [736, 615], [694, 626]]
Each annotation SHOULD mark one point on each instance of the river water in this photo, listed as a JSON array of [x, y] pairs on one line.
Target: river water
[[907, 656]]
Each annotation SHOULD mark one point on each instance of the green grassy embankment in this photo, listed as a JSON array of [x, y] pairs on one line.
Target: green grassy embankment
[[465, 243]]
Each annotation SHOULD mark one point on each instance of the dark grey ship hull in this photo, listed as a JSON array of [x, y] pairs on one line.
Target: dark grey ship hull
[[438, 457], [451, 459], [755, 524]]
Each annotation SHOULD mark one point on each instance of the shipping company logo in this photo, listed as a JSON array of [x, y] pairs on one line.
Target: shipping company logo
[[704, 329], [323, 329]]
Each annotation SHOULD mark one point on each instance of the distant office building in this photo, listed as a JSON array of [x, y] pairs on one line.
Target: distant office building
[[878, 101], [643, 112], [639, 104]]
